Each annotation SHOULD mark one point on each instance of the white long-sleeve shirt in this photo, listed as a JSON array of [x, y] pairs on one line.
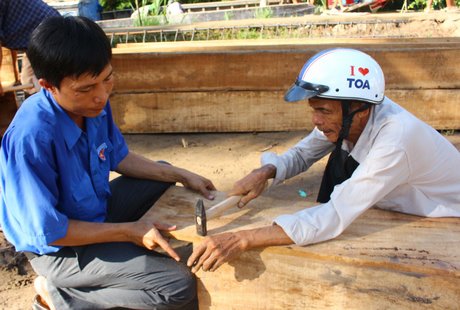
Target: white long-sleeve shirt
[[404, 165]]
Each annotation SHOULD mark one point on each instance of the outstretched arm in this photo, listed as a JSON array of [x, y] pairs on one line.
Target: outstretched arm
[[135, 165], [143, 233], [219, 249]]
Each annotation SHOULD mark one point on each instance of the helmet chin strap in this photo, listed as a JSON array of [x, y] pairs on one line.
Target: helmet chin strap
[[347, 119], [340, 165]]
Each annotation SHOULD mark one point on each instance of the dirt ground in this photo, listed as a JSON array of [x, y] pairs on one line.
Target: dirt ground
[[224, 158]]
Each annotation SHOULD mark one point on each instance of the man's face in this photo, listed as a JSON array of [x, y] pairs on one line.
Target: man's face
[[85, 96], [327, 116]]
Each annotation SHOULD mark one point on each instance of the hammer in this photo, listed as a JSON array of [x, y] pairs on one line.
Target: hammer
[[201, 215]]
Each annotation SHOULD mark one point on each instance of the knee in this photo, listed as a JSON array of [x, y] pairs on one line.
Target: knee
[[186, 290], [179, 293]]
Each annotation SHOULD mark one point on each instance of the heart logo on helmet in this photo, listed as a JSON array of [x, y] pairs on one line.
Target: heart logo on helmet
[[363, 71]]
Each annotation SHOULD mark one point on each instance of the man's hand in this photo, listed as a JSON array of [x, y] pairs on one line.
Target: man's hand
[[198, 183], [219, 249], [215, 251], [252, 185], [147, 234]]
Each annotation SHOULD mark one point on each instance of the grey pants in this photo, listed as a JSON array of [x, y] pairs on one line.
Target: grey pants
[[119, 275]]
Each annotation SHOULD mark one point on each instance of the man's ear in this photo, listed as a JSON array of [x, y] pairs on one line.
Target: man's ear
[[46, 85], [364, 113], [363, 117]]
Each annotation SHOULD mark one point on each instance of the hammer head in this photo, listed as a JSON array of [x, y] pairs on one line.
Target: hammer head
[[200, 218]]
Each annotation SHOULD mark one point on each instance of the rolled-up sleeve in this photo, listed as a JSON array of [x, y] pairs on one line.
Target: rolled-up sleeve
[[300, 157], [31, 190], [382, 171]]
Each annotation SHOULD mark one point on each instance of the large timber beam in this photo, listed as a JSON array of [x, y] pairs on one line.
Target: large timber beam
[[243, 111], [238, 86], [383, 260]]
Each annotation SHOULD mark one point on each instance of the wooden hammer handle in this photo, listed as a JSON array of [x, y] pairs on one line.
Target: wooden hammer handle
[[222, 206]]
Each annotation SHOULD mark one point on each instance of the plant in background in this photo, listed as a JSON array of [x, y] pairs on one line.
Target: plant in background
[[113, 5], [419, 4], [229, 15], [320, 6], [149, 11], [263, 13]]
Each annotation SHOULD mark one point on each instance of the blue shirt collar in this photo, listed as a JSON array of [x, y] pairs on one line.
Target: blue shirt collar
[[67, 125]]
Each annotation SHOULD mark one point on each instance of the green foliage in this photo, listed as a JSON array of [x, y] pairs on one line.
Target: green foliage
[[148, 12], [150, 21], [113, 5], [229, 15], [263, 13], [448, 132], [421, 4], [156, 6]]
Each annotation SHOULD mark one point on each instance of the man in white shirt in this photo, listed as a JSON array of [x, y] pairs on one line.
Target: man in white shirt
[[381, 155]]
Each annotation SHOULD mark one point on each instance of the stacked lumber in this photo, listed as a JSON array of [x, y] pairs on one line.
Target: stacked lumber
[[383, 260], [238, 86]]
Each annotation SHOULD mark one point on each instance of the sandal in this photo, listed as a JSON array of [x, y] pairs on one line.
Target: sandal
[[38, 304]]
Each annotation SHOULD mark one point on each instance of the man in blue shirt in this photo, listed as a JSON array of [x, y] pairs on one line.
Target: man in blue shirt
[[82, 234]]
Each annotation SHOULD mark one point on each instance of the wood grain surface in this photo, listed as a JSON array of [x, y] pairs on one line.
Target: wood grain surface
[[383, 260]]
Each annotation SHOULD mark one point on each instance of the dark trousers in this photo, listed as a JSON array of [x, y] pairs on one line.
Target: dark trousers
[[119, 275]]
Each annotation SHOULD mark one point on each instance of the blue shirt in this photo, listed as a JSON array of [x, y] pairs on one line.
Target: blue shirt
[[52, 171], [18, 18]]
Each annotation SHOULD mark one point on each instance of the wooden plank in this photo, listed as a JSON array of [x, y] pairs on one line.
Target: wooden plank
[[238, 111], [7, 110], [206, 112], [269, 66], [369, 266], [8, 69], [276, 44]]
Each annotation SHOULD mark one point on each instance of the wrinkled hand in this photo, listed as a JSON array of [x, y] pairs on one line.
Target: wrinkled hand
[[252, 185], [198, 183], [148, 235], [215, 251]]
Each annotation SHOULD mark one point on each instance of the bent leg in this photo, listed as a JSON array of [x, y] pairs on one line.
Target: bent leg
[[131, 198], [110, 275]]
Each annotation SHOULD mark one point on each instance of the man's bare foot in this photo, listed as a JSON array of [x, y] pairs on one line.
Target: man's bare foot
[[40, 288]]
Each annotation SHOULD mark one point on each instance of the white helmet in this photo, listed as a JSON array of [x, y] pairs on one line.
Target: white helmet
[[339, 73]]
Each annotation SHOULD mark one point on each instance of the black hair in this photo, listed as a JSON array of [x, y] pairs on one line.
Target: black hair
[[68, 47]]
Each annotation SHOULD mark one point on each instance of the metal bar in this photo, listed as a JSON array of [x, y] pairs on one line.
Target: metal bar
[[292, 30]]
